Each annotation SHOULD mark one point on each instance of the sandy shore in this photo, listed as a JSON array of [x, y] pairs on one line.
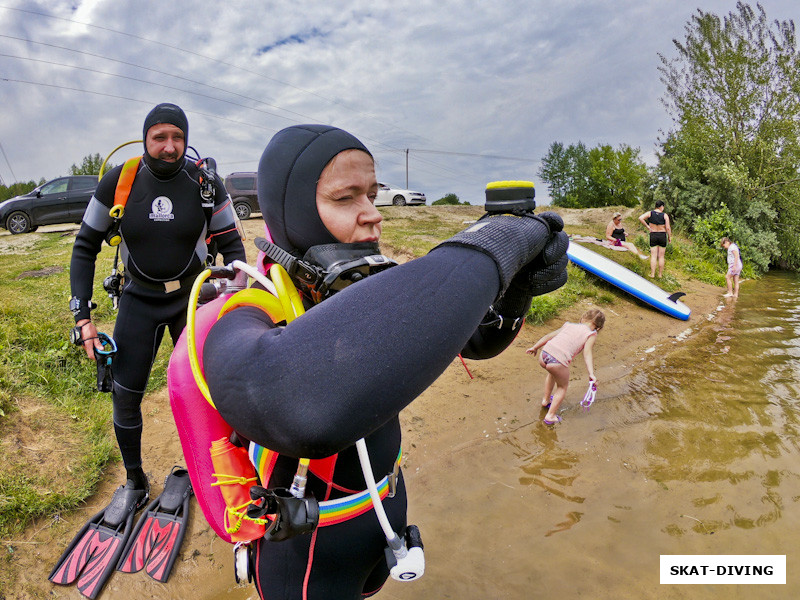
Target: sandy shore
[[457, 417]]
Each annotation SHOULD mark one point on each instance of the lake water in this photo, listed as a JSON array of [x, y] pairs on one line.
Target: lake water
[[697, 454], [695, 451]]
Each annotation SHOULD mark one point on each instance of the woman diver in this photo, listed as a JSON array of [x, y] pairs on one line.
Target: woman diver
[[346, 368]]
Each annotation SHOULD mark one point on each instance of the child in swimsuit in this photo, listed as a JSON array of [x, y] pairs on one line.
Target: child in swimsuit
[[559, 348], [734, 267]]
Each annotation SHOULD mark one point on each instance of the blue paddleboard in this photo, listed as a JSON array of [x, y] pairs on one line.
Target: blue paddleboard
[[628, 281]]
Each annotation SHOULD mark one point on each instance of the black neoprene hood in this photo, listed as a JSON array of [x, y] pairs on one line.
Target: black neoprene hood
[[287, 183], [174, 115]]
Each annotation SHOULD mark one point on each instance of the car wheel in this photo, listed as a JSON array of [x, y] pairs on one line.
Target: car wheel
[[399, 200], [18, 222], [242, 210]]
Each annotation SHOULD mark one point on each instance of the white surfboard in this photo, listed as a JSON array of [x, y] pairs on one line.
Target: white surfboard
[[628, 281]]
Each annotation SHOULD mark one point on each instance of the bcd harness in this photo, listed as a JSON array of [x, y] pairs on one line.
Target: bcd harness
[[253, 511], [113, 283]]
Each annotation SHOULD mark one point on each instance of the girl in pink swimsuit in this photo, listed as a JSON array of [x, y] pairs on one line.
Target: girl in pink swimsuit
[[558, 349]]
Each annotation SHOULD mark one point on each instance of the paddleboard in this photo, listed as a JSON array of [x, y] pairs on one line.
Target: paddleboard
[[628, 281]]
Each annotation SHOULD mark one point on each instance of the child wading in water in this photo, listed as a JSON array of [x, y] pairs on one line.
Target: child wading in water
[[560, 347]]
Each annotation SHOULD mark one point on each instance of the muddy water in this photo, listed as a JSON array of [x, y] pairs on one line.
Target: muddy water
[[695, 451]]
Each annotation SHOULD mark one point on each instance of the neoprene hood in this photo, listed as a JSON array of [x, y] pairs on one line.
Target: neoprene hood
[[174, 115], [287, 183]]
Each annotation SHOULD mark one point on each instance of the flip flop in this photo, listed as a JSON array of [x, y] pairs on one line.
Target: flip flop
[[551, 423], [548, 404]]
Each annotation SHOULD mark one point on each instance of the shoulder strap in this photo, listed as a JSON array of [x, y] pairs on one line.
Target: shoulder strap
[[124, 184]]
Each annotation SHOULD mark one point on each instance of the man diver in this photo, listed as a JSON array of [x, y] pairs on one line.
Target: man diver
[[164, 230], [345, 369]]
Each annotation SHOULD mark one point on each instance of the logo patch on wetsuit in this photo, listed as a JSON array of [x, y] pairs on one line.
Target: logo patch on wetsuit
[[162, 209]]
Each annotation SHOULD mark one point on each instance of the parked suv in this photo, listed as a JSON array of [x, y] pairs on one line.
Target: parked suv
[[61, 200], [242, 188]]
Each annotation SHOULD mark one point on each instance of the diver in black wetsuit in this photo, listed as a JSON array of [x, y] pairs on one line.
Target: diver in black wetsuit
[[345, 369], [164, 230]]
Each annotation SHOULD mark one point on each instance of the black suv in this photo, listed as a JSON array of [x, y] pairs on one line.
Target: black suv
[[61, 200], [242, 188]]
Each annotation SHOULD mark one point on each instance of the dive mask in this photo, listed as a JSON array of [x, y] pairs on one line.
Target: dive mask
[[328, 268]]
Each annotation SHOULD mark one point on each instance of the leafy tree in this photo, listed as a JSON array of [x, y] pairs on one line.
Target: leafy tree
[[448, 199], [17, 189], [732, 91], [555, 171], [90, 165], [602, 176]]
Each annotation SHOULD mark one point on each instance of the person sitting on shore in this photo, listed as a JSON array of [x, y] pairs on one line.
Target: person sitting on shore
[[615, 235]]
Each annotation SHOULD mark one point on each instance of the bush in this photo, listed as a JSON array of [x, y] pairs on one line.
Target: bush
[[449, 199]]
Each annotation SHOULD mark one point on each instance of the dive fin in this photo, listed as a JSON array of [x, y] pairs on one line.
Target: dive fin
[[158, 535], [674, 297], [93, 554]]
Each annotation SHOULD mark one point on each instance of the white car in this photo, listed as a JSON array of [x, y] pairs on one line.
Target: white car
[[397, 196]]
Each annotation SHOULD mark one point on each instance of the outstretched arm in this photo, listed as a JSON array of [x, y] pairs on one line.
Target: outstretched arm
[[588, 357], [542, 341], [351, 363]]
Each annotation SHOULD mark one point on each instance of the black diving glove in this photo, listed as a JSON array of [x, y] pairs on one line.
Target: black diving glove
[[515, 241], [545, 273]]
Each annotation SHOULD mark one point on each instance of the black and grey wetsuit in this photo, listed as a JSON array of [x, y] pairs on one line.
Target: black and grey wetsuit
[[164, 231], [343, 370]]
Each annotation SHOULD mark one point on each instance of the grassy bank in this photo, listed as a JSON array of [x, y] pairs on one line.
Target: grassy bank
[[56, 433]]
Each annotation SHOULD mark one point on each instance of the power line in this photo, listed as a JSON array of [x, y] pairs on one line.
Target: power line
[[492, 156], [195, 112], [218, 61], [48, 62], [3, 150], [137, 66]]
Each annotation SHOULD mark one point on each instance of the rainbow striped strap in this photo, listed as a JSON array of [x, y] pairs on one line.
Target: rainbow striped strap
[[335, 511], [342, 509]]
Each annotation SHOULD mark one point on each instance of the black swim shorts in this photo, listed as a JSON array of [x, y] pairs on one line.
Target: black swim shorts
[[658, 238]]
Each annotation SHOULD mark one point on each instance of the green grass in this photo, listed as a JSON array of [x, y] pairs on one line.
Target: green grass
[[50, 410]]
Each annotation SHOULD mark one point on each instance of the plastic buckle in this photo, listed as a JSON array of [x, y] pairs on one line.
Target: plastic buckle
[[291, 516], [393, 480]]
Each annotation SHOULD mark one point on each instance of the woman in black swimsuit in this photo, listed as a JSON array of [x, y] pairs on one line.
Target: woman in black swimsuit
[[657, 223], [615, 234]]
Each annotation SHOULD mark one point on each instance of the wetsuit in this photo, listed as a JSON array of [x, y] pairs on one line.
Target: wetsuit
[[163, 229], [347, 367], [342, 371]]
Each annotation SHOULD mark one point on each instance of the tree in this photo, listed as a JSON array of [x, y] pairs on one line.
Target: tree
[[733, 93], [448, 199], [90, 165], [602, 176], [18, 189]]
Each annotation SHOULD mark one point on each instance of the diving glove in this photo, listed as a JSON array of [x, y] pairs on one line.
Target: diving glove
[[515, 241]]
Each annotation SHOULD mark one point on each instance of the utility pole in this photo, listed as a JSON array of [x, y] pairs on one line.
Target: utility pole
[[406, 168]]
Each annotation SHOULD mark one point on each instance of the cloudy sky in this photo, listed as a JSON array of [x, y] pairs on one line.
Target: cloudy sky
[[467, 92]]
